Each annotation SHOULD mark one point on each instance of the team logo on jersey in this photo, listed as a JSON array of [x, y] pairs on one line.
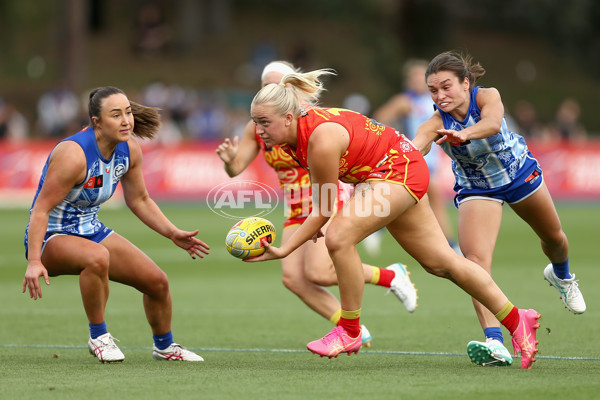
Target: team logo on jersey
[[94, 182], [119, 171], [407, 147]]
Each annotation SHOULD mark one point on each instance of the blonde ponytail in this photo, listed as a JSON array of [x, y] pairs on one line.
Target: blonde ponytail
[[294, 90]]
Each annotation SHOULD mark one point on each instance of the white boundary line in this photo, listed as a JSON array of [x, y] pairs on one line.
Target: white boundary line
[[291, 351]]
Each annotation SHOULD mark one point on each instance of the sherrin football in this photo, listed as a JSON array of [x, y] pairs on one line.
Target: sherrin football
[[245, 239]]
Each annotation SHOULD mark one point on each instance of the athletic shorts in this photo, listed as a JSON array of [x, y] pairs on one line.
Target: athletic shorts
[[97, 237], [528, 180], [408, 169]]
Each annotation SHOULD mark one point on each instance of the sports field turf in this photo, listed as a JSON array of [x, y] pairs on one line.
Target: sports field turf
[[252, 332]]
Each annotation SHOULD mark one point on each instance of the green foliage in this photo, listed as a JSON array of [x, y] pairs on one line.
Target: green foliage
[[252, 332]]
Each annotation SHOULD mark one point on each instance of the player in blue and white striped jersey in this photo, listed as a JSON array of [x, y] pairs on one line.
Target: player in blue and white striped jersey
[[491, 166], [65, 237]]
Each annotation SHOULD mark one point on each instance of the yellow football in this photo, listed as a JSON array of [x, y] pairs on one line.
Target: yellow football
[[245, 239]]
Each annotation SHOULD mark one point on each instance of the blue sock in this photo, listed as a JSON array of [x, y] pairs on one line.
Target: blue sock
[[561, 270], [97, 330], [163, 341], [494, 333]]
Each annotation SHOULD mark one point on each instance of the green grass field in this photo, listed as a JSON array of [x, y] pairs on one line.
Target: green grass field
[[252, 332]]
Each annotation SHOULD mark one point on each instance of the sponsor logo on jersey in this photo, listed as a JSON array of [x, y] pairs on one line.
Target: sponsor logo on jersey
[[94, 182], [533, 177]]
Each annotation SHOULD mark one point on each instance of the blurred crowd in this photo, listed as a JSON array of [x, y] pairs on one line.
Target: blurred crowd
[[187, 113], [212, 114], [199, 114], [565, 125]]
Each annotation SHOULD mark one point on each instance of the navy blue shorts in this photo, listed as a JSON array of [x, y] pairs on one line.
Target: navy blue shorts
[[97, 237], [528, 180]]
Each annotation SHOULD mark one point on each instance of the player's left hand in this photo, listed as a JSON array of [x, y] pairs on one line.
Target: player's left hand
[[454, 138], [190, 243]]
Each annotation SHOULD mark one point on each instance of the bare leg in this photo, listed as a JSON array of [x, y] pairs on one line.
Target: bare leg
[[419, 234], [478, 226], [438, 202], [539, 212], [130, 266], [348, 228], [294, 276], [72, 255]]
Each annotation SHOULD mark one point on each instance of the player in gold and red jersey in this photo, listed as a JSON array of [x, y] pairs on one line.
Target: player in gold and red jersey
[[371, 153], [334, 144], [307, 270]]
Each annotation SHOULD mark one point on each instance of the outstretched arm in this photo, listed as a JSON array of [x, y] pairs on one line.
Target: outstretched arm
[[326, 146], [139, 202]]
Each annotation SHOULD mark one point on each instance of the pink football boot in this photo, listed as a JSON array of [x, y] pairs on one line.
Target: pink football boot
[[523, 338], [335, 342]]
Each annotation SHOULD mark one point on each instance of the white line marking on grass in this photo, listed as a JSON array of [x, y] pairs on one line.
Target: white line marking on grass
[[291, 351]]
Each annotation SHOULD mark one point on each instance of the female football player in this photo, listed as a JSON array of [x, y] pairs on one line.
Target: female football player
[[65, 237], [491, 165], [307, 270]]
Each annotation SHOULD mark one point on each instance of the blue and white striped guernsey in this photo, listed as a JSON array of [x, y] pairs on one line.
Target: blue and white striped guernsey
[[486, 163], [78, 212]]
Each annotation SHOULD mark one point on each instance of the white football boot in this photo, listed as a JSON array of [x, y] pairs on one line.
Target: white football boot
[[402, 287], [105, 349], [175, 352], [568, 289]]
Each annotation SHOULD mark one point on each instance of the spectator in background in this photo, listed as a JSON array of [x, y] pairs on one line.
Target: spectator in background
[[566, 125], [208, 117], [171, 101], [170, 134], [526, 118], [13, 125], [405, 112], [58, 112]]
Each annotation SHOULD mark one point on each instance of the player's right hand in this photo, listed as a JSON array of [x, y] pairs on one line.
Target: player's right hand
[[228, 149], [35, 270]]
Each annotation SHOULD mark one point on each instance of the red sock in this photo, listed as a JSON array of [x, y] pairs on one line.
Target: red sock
[[352, 326], [385, 277], [511, 321]]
